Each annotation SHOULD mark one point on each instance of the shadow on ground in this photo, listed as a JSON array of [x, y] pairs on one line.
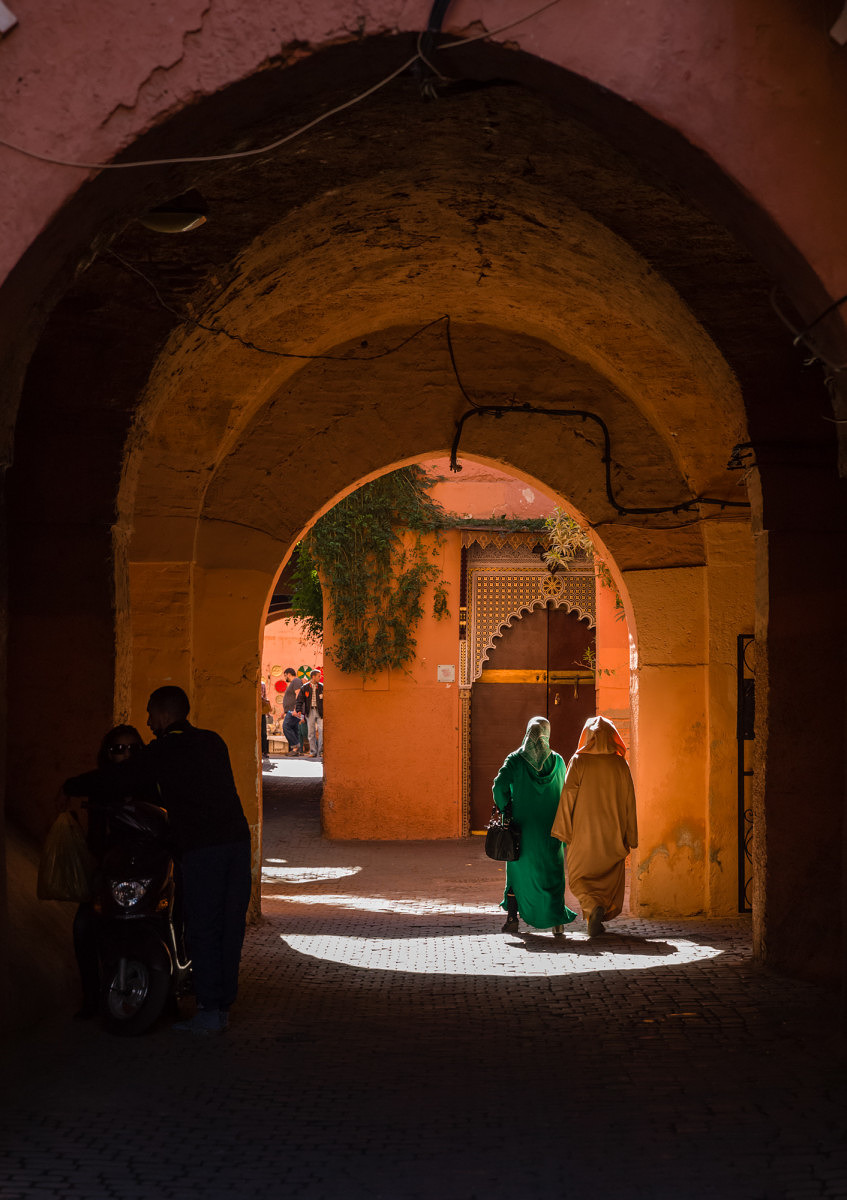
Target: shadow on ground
[[368, 1059]]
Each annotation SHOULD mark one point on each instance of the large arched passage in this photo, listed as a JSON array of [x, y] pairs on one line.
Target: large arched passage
[[164, 421]]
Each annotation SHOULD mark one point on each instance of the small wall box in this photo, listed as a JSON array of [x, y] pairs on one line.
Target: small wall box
[[446, 673]]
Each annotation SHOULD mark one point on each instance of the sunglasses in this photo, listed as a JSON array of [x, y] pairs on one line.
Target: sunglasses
[[122, 747]]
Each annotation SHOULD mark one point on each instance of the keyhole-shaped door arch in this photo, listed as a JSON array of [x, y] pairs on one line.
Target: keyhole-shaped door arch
[[537, 668]]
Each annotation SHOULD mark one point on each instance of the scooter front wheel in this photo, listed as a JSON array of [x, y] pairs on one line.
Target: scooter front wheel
[[133, 995]]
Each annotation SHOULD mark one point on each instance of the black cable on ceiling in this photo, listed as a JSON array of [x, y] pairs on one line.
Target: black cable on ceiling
[[499, 410], [496, 410]]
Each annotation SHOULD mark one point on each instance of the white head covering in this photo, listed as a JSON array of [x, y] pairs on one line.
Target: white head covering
[[599, 736], [535, 748]]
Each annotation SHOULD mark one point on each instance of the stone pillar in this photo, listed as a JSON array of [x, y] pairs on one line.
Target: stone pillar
[[155, 624], [229, 596], [61, 660], [671, 740], [730, 610], [799, 783], [5, 958], [160, 607]]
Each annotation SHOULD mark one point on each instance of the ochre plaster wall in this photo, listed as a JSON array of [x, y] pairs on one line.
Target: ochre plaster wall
[[731, 611], [391, 743], [670, 744], [684, 723], [208, 642]]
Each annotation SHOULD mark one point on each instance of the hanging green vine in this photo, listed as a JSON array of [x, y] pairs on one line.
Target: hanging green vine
[[370, 551], [569, 541]]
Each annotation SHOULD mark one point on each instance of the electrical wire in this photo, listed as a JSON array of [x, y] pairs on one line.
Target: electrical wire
[[801, 335], [266, 149], [479, 37], [205, 158], [267, 350], [830, 308], [722, 517], [498, 410]]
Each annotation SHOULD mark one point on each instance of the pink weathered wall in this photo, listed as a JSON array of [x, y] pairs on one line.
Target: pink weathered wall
[[483, 492], [678, 62], [613, 650]]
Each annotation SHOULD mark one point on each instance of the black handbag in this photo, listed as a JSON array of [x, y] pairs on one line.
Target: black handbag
[[503, 836]]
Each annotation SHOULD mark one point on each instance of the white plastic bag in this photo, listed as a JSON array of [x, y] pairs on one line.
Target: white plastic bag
[[66, 868]]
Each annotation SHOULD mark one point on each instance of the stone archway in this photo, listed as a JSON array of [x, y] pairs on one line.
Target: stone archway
[[560, 294]]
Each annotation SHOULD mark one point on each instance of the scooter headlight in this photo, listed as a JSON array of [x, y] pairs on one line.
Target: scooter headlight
[[128, 892]]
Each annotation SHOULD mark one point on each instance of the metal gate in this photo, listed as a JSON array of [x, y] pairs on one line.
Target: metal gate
[[745, 732]]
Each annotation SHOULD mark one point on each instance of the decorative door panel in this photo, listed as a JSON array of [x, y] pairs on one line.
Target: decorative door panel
[[523, 655], [571, 694], [511, 689]]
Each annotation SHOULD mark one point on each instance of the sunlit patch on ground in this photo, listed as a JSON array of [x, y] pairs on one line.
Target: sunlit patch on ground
[[284, 767], [272, 874], [499, 954], [383, 904]]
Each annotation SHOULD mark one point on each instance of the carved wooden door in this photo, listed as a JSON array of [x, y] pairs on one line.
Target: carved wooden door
[[537, 668]]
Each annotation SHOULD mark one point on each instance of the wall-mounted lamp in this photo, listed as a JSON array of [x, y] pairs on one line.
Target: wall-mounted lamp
[[179, 215]]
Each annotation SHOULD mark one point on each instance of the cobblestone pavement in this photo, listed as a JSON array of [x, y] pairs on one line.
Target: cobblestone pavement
[[390, 1043]]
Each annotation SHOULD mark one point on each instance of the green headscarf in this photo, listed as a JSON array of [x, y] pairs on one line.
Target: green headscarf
[[535, 747]]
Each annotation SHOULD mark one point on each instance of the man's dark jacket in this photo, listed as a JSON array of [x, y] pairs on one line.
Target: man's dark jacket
[[311, 695], [187, 771]]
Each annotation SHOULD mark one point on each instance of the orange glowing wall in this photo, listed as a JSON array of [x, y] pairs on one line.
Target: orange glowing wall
[[391, 743], [612, 647]]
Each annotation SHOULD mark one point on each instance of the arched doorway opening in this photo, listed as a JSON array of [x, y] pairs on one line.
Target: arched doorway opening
[[412, 724]]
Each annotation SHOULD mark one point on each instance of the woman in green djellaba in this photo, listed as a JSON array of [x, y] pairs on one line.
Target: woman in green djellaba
[[532, 778]]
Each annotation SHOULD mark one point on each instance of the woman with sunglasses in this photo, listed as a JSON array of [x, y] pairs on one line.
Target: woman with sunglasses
[[119, 745]]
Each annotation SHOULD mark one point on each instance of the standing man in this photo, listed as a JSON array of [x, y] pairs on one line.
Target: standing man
[[194, 776], [265, 717], [309, 706], [291, 721], [316, 715]]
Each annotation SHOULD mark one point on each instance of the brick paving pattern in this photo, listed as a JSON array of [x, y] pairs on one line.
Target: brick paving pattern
[[391, 1044]]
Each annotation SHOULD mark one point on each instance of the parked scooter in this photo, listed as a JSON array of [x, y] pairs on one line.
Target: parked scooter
[[143, 961]]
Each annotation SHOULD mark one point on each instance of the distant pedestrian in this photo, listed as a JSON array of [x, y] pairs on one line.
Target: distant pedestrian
[[596, 818], [310, 703], [291, 719], [265, 719], [319, 714], [532, 778]]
